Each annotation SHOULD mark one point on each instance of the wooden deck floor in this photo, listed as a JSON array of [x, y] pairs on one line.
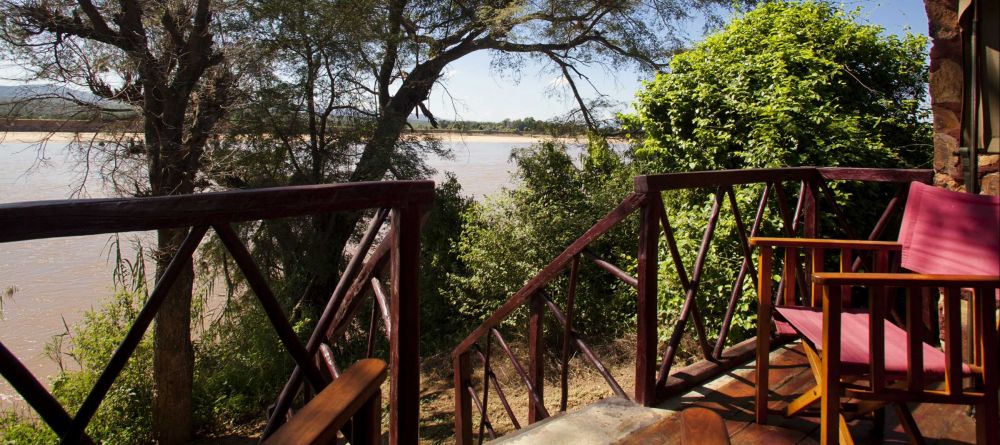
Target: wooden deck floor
[[732, 397]]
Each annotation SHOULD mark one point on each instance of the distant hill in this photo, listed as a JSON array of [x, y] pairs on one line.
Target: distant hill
[[49, 101]]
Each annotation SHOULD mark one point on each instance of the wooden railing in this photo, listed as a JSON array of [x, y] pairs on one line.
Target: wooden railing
[[398, 252], [655, 378]]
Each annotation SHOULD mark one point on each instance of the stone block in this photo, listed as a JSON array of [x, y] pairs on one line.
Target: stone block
[[990, 184]]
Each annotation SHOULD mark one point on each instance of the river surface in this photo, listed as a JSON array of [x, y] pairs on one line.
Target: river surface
[[56, 280]]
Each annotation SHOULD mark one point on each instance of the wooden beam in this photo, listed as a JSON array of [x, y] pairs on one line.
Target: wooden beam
[[48, 219]]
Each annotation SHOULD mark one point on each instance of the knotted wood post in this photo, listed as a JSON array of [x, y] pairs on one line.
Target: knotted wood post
[[646, 350], [404, 340], [463, 402], [536, 357]]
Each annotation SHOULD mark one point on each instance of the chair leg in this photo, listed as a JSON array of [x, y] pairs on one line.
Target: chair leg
[[909, 424], [802, 402], [845, 433], [987, 419], [878, 428]]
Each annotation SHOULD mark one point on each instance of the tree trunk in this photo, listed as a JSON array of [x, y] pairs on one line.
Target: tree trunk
[[173, 355]]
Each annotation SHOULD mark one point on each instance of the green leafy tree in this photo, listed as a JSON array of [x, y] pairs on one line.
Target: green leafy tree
[[788, 84]]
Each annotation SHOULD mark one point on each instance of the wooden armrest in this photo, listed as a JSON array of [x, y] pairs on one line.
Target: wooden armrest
[[329, 411], [816, 243], [905, 280]]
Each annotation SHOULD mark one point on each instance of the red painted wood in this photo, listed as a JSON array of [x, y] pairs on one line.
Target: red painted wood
[[719, 178], [463, 402], [689, 299], [567, 330], [646, 321], [404, 343], [536, 357], [90, 216]]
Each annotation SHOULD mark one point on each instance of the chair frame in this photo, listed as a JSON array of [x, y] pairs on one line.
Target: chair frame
[[827, 289]]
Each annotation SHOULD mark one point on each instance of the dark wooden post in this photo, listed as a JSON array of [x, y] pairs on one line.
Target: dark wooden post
[[536, 353], [404, 341], [645, 352], [463, 402], [810, 189]]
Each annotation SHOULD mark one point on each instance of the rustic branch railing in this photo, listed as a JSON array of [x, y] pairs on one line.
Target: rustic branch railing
[[656, 379], [405, 200]]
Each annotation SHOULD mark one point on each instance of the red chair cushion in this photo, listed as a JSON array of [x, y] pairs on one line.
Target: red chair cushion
[[854, 352]]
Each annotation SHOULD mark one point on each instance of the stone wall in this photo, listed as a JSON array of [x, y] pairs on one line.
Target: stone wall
[[946, 101]]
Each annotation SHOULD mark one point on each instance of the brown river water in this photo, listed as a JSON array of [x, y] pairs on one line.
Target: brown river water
[[56, 280]]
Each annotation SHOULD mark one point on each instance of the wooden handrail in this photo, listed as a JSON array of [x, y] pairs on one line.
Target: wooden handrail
[[905, 280], [92, 216], [218, 210], [814, 243], [319, 420]]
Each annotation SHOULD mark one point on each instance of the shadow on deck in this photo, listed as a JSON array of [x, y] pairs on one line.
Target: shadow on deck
[[731, 395]]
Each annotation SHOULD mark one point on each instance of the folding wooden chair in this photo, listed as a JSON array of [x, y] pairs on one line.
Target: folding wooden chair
[[947, 240]]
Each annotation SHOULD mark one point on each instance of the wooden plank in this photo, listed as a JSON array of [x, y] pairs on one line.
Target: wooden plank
[[825, 243], [684, 379], [700, 426], [646, 320], [716, 178], [91, 216], [915, 341], [404, 343], [988, 412], [830, 381], [906, 280], [463, 402], [903, 175], [319, 421], [763, 332], [536, 357]]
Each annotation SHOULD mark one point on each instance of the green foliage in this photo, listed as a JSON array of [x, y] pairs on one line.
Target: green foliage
[[510, 237], [788, 84], [439, 260]]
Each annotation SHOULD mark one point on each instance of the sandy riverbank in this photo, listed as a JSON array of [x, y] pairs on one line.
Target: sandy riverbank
[[67, 137]]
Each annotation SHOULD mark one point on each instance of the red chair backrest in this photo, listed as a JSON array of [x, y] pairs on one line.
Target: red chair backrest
[[946, 232]]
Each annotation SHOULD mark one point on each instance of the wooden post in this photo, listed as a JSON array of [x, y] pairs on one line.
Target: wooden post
[[536, 356], [810, 230], [645, 353], [830, 374], [463, 402], [988, 412], [404, 341], [366, 426], [763, 332]]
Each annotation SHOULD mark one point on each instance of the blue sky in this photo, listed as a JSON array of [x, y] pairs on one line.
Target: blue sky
[[473, 91]]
